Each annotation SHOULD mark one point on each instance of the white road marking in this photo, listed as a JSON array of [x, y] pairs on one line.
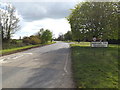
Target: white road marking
[[17, 57], [5, 59], [65, 67], [28, 53], [35, 59], [63, 74], [2, 61]]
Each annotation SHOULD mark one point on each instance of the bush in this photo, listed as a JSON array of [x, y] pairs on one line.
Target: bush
[[31, 40], [34, 40], [11, 45], [14, 41], [26, 40]]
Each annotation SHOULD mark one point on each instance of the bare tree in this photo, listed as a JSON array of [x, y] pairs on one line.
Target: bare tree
[[9, 22]]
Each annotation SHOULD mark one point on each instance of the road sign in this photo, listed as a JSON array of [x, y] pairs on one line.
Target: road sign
[[94, 39], [99, 44]]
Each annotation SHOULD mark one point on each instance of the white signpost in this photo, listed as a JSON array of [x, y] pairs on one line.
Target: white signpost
[[99, 44]]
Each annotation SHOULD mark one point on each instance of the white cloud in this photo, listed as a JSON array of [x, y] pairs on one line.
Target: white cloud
[[60, 0], [57, 26], [42, 0]]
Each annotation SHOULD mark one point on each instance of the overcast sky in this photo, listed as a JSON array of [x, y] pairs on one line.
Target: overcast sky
[[48, 15]]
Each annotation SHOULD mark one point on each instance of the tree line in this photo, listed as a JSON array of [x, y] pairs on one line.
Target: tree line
[[87, 20], [9, 24], [65, 37], [41, 37], [95, 19]]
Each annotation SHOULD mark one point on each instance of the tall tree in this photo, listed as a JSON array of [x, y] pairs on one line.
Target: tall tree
[[98, 19], [9, 21], [68, 35], [46, 36], [61, 37]]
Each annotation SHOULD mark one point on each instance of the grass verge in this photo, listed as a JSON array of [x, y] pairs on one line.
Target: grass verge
[[14, 50], [95, 67]]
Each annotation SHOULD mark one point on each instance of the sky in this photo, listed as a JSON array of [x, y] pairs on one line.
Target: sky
[[43, 14], [47, 14]]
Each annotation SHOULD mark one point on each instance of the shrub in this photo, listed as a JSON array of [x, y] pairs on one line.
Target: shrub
[[31, 40], [34, 40], [13, 41], [26, 40]]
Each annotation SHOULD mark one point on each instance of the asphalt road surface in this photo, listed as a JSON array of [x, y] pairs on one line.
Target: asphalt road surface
[[43, 67]]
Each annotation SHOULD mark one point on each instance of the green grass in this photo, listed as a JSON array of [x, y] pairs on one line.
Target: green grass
[[19, 48], [6, 51], [19, 41], [83, 44], [95, 67], [68, 41]]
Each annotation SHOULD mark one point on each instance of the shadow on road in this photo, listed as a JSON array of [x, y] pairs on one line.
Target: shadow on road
[[51, 73]]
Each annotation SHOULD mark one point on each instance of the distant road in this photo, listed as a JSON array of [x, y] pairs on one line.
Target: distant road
[[43, 67]]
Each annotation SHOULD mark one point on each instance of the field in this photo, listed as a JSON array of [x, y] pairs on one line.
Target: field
[[94, 67]]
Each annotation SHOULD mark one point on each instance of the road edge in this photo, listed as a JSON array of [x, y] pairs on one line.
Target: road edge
[[24, 49]]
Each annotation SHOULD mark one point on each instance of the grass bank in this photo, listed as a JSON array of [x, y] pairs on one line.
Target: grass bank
[[18, 49], [94, 67]]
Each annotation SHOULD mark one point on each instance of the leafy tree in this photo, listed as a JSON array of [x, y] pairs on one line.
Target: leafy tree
[[68, 35], [46, 36], [8, 22], [61, 37], [98, 19], [39, 34]]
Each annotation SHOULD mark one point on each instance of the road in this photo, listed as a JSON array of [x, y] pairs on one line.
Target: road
[[43, 67]]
